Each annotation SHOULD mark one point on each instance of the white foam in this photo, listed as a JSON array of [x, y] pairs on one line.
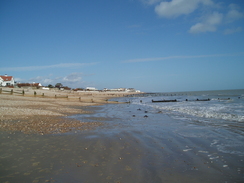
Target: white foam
[[213, 111], [214, 142], [185, 150]]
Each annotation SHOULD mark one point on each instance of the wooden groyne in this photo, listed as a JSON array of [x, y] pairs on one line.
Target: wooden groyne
[[164, 100], [69, 95]]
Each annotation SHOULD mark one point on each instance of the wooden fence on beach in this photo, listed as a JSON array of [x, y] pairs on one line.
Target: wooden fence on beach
[[10, 91], [69, 95], [29, 93]]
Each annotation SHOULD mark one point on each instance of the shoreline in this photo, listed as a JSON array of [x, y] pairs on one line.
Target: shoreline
[[48, 115]]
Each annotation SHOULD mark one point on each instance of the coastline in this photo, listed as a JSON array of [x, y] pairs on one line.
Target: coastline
[[115, 144]]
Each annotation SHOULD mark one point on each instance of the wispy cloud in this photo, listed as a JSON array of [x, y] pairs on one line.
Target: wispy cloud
[[233, 13], [134, 26], [177, 57], [56, 66], [73, 78], [150, 2], [232, 31]]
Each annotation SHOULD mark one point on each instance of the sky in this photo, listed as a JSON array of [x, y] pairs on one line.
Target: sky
[[149, 45]]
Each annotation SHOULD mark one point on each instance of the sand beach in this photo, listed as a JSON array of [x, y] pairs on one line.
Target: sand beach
[[92, 139], [39, 111]]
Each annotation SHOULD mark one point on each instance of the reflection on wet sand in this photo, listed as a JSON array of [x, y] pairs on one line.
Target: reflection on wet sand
[[122, 157]]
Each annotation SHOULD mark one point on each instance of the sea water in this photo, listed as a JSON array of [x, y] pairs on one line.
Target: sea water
[[220, 119], [225, 108]]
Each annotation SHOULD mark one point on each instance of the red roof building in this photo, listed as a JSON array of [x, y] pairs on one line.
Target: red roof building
[[6, 80], [33, 85]]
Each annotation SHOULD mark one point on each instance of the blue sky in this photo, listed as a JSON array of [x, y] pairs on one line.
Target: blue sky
[[150, 45]]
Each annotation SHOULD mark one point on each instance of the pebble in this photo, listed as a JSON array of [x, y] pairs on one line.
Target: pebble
[[39, 115]]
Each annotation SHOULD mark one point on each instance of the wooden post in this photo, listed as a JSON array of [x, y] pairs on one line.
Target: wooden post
[[43, 94], [23, 92], [34, 93], [1, 90], [12, 91]]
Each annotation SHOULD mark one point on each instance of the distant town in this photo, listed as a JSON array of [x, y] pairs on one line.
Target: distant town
[[8, 81]]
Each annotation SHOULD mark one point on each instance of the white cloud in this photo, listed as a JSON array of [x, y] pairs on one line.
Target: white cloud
[[176, 8], [233, 14], [232, 31], [209, 23], [201, 27], [210, 19]]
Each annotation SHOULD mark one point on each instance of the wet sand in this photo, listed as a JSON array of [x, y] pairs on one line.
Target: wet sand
[[126, 147], [122, 157]]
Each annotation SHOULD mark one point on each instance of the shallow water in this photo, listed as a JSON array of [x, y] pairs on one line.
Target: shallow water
[[129, 147]]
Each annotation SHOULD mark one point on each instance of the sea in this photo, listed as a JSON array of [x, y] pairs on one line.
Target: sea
[[221, 108]]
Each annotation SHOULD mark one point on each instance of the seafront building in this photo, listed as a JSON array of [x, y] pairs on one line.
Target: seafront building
[[7, 80]]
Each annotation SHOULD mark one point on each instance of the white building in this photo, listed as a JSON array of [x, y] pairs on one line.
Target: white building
[[91, 89], [6, 80]]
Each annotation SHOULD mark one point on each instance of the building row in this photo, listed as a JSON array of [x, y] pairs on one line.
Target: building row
[[8, 81]]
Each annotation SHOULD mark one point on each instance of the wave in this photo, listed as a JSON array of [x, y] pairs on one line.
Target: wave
[[225, 110]]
